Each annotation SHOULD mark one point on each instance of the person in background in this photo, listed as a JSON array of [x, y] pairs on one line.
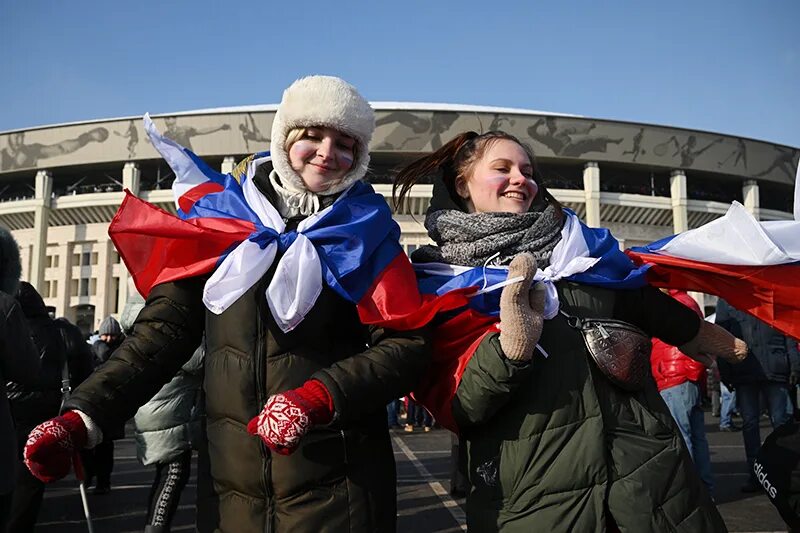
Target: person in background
[[101, 465], [167, 427], [727, 408], [392, 412], [33, 404], [678, 379], [19, 363], [771, 370], [777, 471], [80, 361], [417, 416]]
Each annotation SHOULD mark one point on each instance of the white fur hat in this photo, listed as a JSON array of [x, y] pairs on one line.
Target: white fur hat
[[322, 101]]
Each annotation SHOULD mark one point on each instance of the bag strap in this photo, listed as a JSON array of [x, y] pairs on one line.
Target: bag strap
[[66, 386]]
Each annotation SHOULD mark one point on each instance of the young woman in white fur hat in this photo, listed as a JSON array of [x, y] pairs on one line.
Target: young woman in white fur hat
[[297, 436]]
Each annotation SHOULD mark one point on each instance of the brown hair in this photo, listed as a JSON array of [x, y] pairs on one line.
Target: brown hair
[[455, 161]]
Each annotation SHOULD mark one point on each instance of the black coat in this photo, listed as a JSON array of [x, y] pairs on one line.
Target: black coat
[[19, 361], [37, 402], [342, 477], [79, 354]]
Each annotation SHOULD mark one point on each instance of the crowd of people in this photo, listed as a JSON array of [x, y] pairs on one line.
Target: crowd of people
[[281, 358]]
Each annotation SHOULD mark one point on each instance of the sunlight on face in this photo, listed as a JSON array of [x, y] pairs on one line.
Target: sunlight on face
[[501, 181], [322, 157]]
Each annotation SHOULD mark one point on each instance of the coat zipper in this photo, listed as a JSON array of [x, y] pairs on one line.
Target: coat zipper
[[344, 445], [261, 395]]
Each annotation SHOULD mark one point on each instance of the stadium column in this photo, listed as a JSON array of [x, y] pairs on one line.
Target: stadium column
[[751, 197], [591, 189], [64, 270], [105, 274], [680, 201], [227, 165], [131, 179], [41, 221]]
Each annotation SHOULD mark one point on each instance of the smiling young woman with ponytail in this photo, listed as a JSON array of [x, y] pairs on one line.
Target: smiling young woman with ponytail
[[553, 444]]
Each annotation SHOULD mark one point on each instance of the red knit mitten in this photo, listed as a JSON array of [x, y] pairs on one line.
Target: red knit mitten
[[48, 452], [288, 416]]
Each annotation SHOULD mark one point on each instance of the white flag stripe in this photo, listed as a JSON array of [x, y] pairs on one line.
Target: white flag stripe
[[296, 285], [738, 239], [187, 175], [797, 194], [239, 271]]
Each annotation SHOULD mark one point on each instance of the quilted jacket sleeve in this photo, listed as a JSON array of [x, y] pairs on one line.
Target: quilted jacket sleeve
[[388, 369], [487, 383], [165, 335]]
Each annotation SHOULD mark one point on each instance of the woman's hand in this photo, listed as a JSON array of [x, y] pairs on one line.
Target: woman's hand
[[51, 444], [521, 311], [289, 415], [714, 341]]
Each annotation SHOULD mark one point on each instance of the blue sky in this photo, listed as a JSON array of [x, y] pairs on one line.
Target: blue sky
[[728, 66]]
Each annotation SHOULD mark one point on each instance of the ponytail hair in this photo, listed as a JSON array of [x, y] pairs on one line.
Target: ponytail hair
[[441, 161], [455, 160]]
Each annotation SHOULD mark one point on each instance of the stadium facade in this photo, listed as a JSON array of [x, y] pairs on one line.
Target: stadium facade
[[60, 185]]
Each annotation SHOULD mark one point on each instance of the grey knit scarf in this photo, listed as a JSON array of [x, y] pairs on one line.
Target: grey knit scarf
[[472, 239]]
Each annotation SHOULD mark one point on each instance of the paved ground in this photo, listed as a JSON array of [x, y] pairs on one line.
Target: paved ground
[[424, 504]]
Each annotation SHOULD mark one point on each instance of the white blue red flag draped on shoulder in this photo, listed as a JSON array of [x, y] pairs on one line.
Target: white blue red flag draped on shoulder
[[754, 266], [227, 228]]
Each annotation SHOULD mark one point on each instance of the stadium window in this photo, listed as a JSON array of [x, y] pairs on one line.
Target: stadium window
[[93, 287], [54, 287], [95, 256], [76, 259], [55, 261], [114, 257], [115, 295], [84, 287], [86, 257], [73, 287]]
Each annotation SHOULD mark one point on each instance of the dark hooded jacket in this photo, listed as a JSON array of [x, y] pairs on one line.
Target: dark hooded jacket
[[342, 476], [772, 356], [79, 354], [19, 361], [32, 404]]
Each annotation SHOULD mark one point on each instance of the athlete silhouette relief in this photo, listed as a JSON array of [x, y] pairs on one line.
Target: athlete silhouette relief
[[740, 154], [688, 151], [250, 132], [132, 135], [637, 149], [399, 138], [183, 134], [20, 155], [570, 141], [784, 162]]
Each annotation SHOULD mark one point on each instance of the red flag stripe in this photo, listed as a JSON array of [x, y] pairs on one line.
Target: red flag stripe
[[770, 293]]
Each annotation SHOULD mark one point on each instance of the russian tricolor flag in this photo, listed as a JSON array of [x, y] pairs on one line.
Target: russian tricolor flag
[[754, 266], [228, 229]]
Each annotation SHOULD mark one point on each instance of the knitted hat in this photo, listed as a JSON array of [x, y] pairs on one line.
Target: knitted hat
[[322, 101], [109, 326], [777, 470]]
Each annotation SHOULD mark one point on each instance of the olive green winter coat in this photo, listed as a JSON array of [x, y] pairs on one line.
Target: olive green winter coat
[[553, 444]]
